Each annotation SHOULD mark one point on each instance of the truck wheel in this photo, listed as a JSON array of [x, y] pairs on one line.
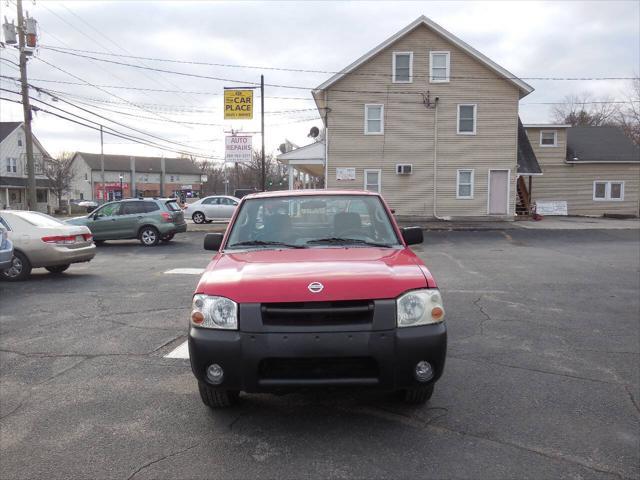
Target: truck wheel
[[217, 398], [57, 268], [149, 236], [20, 268], [198, 217], [418, 395]]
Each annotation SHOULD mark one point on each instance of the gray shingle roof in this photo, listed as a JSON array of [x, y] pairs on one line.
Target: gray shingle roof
[[527, 160], [600, 144], [6, 128], [143, 164]]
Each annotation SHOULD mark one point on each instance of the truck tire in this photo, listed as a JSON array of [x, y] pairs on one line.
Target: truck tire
[[57, 268], [217, 398], [149, 236], [20, 268], [418, 395]]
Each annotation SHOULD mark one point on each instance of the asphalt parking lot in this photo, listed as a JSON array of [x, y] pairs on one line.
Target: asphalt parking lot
[[541, 381]]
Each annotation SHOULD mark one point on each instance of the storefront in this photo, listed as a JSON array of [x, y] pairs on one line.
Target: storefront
[[111, 191]]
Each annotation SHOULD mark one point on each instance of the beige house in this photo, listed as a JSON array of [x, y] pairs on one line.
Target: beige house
[[13, 170], [586, 170], [429, 122]]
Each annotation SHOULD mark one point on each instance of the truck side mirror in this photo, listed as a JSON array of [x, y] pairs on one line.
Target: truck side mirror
[[412, 235], [212, 241]]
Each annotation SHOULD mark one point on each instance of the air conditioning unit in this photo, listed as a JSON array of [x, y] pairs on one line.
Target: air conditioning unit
[[404, 169]]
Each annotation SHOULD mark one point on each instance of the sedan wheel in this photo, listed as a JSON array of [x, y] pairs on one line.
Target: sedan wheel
[[198, 217], [20, 268], [149, 236]]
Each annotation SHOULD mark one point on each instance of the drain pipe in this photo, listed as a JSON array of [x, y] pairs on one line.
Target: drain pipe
[[435, 163]]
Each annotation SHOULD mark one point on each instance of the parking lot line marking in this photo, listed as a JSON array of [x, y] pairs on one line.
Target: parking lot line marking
[[182, 351], [185, 271]]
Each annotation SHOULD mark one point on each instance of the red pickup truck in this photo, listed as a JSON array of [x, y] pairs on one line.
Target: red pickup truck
[[315, 288]]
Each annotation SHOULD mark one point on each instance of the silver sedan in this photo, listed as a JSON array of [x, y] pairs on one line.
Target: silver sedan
[[43, 241], [6, 248], [215, 207]]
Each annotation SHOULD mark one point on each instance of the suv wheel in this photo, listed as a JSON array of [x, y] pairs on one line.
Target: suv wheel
[[20, 268], [217, 398], [198, 217], [418, 395], [57, 268], [149, 236]]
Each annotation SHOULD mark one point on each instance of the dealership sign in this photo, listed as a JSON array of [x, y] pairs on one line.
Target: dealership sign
[[238, 104], [237, 149]]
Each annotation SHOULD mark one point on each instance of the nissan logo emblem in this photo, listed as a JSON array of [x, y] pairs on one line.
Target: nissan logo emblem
[[315, 287]]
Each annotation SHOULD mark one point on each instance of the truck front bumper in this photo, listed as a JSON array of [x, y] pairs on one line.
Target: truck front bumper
[[259, 362]]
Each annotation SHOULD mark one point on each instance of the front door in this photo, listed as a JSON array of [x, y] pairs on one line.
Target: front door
[[498, 192], [104, 222]]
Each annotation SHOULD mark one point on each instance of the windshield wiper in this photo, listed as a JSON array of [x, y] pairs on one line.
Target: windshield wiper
[[343, 241], [264, 243]]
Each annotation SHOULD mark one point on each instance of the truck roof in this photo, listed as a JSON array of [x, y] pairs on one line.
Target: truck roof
[[302, 193]]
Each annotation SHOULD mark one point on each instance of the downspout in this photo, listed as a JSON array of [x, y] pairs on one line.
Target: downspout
[[326, 140], [435, 163]]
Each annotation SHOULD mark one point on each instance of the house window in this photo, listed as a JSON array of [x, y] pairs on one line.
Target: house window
[[373, 119], [467, 119], [12, 165], [548, 138], [608, 191], [439, 63], [172, 179], [464, 184], [19, 141], [41, 196], [372, 180], [402, 67], [86, 176]]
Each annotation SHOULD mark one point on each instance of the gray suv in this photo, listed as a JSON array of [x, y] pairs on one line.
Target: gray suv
[[150, 220]]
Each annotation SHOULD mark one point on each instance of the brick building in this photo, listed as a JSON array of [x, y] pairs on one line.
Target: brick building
[[133, 176]]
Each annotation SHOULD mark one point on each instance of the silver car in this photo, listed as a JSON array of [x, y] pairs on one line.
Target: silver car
[[215, 207], [43, 241], [6, 248]]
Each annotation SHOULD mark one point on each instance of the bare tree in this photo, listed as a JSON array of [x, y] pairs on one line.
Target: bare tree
[[582, 110], [629, 113], [59, 171]]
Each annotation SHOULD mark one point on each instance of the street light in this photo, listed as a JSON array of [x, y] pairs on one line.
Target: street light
[[121, 190]]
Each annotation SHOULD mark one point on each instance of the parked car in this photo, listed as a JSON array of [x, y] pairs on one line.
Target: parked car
[[315, 289], [243, 192], [90, 205], [43, 241], [6, 247], [215, 207], [150, 220]]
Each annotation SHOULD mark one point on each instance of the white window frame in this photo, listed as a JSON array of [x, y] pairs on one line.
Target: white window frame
[[475, 118], [463, 197], [607, 191], [555, 138], [11, 162], [448, 66], [366, 118], [379, 172], [393, 71]]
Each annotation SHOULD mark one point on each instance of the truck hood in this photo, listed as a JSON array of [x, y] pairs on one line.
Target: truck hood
[[284, 275]]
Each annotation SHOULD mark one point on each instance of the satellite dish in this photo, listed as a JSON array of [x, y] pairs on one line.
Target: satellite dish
[[283, 148], [314, 132]]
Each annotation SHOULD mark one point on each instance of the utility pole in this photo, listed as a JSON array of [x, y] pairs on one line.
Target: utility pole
[[31, 173], [104, 190], [264, 174]]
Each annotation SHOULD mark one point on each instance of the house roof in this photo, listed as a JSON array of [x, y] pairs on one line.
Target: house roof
[[143, 164], [524, 87], [600, 144], [6, 128], [527, 161], [312, 151]]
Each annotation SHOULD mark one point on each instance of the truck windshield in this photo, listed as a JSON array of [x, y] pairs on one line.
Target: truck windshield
[[312, 221]]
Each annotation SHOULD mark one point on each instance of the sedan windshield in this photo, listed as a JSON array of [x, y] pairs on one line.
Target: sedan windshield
[[312, 221]]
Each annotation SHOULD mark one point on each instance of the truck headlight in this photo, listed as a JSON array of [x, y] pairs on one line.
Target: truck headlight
[[214, 312], [420, 307]]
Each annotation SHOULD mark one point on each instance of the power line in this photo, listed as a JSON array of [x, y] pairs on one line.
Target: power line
[[300, 70]]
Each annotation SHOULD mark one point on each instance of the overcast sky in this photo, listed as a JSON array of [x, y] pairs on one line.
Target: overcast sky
[[530, 39]]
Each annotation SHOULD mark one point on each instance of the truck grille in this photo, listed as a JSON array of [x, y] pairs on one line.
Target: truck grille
[[318, 368], [314, 314]]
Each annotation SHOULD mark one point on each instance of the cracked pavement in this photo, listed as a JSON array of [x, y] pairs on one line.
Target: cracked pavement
[[541, 381]]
